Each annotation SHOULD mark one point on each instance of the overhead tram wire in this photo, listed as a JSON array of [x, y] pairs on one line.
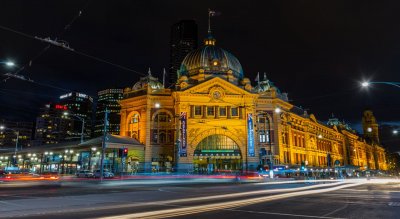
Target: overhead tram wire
[[66, 28], [78, 52]]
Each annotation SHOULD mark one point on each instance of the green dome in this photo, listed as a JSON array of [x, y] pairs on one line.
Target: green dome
[[211, 59]]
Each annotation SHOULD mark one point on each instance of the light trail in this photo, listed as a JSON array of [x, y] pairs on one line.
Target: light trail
[[182, 211]]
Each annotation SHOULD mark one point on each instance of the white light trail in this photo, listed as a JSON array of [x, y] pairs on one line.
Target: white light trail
[[225, 205]]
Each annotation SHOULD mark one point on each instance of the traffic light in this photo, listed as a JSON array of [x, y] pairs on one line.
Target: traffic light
[[124, 152]]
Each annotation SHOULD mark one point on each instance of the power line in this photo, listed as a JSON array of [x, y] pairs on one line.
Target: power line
[[56, 43]]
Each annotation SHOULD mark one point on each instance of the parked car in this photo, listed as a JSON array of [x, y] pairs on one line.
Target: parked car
[[106, 174], [84, 173]]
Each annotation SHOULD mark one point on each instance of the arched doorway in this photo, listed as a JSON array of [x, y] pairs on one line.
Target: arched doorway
[[217, 154]]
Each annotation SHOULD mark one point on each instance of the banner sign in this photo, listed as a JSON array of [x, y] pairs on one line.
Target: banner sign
[[250, 135], [183, 134]]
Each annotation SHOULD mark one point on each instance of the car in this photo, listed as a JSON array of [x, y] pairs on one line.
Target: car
[[49, 176], [84, 173], [106, 174], [249, 176]]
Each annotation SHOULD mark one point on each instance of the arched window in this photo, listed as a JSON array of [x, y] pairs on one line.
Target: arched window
[[217, 142], [133, 126]]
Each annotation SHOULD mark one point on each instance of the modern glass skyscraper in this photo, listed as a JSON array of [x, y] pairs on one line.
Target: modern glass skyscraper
[[183, 40], [108, 99]]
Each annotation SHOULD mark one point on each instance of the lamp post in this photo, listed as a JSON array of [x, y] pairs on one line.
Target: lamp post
[[81, 119], [16, 140], [368, 83]]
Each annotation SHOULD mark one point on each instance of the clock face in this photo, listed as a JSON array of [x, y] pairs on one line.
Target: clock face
[[217, 94]]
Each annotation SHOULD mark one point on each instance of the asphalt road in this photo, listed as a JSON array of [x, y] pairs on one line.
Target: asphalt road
[[201, 199]]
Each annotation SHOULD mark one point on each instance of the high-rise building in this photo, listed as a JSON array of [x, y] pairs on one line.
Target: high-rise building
[[8, 135], [52, 126], [108, 99], [80, 107], [183, 40]]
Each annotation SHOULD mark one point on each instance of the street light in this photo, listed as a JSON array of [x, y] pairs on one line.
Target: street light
[[81, 119], [395, 132], [2, 127], [8, 63], [368, 83]]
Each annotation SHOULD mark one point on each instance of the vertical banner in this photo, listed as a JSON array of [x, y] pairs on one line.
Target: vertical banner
[[250, 135], [183, 134]]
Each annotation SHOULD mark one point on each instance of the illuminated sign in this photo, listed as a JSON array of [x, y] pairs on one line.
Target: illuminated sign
[[250, 135], [82, 95], [183, 134], [217, 151], [60, 107], [65, 95]]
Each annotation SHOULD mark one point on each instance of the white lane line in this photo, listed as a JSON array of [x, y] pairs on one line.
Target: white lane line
[[223, 205], [337, 210], [283, 214]]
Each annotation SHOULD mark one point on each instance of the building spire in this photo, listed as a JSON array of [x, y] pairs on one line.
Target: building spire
[[265, 76], [149, 72]]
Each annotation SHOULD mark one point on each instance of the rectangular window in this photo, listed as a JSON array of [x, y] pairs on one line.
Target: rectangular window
[[210, 111], [263, 138], [222, 111], [154, 137], [235, 111], [197, 111], [268, 135]]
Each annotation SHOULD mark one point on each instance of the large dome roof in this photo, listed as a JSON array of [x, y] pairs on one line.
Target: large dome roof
[[211, 59]]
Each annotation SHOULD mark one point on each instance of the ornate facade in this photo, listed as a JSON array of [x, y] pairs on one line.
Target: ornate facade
[[214, 119]]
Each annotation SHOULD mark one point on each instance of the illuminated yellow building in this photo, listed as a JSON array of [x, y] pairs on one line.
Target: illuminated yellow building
[[215, 120]]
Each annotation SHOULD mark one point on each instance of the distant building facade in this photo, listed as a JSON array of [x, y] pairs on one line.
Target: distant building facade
[[108, 99], [8, 135], [80, 105], [52, 126], [183, 40], [215, 120], [62, 121]]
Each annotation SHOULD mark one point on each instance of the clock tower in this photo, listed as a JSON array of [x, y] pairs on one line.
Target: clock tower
[[370, 127]]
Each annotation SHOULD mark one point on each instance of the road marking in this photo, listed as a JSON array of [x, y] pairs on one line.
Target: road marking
[[282, 214], [223, 205], [394, 204], [337, 210]]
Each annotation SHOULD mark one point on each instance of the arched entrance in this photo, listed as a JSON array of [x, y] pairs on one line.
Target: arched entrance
[[217, 154]]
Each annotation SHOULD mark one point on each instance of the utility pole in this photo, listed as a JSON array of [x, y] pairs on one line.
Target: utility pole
[[103, 148]]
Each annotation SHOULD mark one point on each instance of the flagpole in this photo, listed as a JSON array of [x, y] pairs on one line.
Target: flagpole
[[163, 79]]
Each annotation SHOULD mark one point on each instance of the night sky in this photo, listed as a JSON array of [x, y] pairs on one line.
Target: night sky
[[317, 51]]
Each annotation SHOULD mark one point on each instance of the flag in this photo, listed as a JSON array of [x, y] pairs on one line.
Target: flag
[[213, 13]]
